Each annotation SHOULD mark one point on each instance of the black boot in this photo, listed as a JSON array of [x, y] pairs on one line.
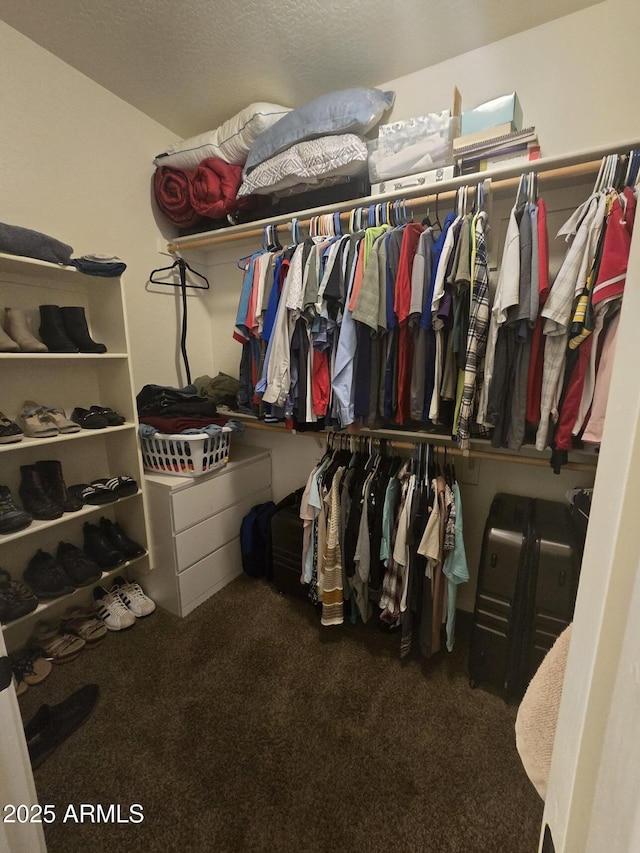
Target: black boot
[[34, 497], [50, 473], [99, 548], [119, 539], [75, 324], [52, 330]]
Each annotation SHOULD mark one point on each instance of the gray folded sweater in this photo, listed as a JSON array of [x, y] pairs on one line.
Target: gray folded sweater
[[15, 240]]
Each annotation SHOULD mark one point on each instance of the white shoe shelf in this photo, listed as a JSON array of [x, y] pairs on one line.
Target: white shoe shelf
[[69, 381]]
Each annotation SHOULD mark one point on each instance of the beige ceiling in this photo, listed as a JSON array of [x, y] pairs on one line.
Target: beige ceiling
[[190, 64]]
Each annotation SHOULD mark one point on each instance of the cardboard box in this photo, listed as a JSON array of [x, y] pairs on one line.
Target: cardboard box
[[503, 110]]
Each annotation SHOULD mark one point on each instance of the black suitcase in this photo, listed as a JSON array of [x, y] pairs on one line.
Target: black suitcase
[[286, 550], [501, 591], [556, 561]]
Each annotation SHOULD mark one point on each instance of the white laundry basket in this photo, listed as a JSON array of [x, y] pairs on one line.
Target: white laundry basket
[[186, 455]]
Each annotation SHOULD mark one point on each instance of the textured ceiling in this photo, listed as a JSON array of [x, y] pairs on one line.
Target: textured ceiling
[[194, 63]]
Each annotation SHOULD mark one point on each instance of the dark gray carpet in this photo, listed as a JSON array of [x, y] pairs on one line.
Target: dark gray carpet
[[247, 727]]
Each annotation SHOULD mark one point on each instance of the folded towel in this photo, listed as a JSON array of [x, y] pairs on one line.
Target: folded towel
[[15, 240], [171, 188], [214, 188]]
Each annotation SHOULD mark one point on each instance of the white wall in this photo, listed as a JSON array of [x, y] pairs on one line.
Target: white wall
[[575, 77], [76, 164]]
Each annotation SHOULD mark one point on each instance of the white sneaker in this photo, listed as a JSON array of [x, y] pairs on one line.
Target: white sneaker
[[133, 596], [112, 610]]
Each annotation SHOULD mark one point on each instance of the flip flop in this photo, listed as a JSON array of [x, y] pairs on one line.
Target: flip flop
[[92, 494], [55, 646], [29, 668], [120, 486]]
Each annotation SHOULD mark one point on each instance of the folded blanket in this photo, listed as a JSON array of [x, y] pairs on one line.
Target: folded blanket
[[105, 268], [15, 240], [172, 194], [214, 188]]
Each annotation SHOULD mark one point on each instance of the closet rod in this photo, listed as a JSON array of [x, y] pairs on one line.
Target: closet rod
[[577, 165], [561, 175]]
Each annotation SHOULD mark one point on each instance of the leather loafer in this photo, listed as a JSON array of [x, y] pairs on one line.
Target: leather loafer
[[89, 420]]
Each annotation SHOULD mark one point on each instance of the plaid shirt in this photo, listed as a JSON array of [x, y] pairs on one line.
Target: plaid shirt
[[477, 334]]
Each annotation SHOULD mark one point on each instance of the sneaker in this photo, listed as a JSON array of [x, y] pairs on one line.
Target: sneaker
[[46, 577], [12, 518], [134, 598], [15, 599], [77, 565], [10, 432], [112, 610]]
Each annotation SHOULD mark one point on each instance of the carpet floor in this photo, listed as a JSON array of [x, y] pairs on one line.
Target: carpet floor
[[248, 727]]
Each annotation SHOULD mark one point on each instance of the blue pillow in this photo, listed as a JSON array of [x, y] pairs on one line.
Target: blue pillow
[[346, 111]]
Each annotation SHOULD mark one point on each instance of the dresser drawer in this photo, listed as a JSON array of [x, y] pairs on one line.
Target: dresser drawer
[[204, 499], [212, 533], [209, 575]]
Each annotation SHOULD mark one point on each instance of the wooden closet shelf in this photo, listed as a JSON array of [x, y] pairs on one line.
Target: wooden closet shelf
[[562, 170], [406, 440]]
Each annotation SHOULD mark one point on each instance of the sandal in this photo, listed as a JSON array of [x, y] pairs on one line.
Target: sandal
[[56, 646], [84, 623], [59, 418], [122, 487], [29, 668], [95, 494], [10, 432], [35, 421]]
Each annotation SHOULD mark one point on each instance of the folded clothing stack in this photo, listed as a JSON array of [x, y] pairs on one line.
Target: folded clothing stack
[[171, 411], [106, 266]]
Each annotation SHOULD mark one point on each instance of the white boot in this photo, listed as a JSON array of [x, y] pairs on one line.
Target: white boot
[[19, 330]]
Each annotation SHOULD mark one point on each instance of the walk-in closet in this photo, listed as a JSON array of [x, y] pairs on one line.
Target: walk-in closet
[[319, 424]]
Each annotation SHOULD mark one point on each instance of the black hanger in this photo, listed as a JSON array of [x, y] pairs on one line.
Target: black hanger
[[438, 223], [182, 266]]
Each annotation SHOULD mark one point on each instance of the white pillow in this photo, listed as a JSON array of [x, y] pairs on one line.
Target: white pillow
[[308, 162], [230, 142]]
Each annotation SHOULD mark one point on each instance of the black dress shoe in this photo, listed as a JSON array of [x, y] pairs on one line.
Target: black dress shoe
[[100, 549], [113, 418], [88, 420], [52, 724], [119, 539]]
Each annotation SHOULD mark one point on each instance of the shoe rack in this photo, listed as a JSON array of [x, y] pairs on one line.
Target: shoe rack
[[69, 380]]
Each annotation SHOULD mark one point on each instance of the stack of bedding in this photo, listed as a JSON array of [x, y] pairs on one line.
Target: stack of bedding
[[317, 145], [198, 179]]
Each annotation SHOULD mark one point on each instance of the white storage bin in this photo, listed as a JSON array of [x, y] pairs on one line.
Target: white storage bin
[[186, 455]]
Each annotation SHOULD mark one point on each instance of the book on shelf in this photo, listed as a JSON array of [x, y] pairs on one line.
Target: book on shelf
[[498, 144], [521, 154]]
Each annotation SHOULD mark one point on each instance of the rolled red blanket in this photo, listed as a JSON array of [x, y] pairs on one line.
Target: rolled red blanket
[[172, 194], [214, 186]]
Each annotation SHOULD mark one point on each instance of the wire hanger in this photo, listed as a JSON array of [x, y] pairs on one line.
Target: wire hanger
[[182, 266]]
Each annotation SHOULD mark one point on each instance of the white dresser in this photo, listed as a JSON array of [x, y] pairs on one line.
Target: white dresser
[[195, 526]]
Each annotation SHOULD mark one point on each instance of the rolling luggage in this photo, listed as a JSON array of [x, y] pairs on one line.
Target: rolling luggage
[[286, 548], [557, 564], [527, 585], [501, 578]]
